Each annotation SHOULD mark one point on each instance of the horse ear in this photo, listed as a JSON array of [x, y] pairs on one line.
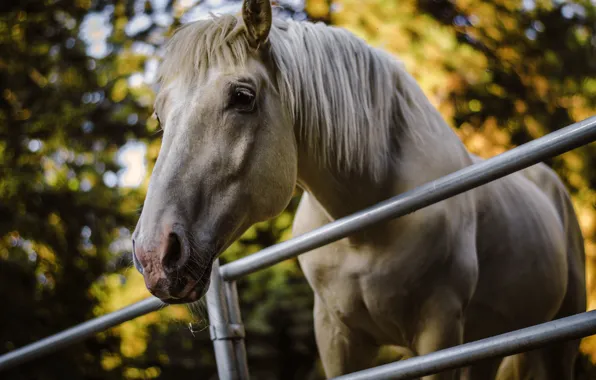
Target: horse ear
[[257, 19]]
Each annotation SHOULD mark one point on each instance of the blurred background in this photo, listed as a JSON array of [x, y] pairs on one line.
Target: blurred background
[[77, 144]]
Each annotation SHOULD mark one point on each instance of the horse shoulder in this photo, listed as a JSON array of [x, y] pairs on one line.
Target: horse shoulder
[[333, 271]]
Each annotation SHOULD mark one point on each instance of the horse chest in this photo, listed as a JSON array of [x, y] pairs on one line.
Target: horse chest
[[376, 283], [372, 289]]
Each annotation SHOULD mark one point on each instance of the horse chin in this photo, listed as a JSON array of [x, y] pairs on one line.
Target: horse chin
[[194, 294]]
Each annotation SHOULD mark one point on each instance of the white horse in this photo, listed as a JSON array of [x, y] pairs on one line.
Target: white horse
[[252, 108]]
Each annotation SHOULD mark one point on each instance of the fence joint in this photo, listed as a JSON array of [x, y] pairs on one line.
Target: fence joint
[[226, 332]]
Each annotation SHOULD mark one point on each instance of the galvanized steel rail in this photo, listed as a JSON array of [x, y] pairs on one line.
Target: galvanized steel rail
[[78, 333], [227, 331], [515, 342]]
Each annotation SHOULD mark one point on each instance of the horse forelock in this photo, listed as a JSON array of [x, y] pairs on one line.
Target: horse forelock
[[347, 99], [198, 45]]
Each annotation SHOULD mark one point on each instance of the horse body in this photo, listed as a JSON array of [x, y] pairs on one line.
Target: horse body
[[492, 260], [482, 263], [499, 258], [252, 109]]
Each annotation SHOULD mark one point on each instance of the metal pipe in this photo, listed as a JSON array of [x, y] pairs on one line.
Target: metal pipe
[[231, 295], [78, 333], [525, 155], [219, 327], [568, 328]]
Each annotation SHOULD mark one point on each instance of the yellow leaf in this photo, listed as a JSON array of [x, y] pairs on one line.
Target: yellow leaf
[[120, 90]]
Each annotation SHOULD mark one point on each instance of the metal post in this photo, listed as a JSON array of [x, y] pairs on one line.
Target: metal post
[[231, 294], [220, 329]]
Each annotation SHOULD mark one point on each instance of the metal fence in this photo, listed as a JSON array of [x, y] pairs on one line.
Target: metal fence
[[227, 331]]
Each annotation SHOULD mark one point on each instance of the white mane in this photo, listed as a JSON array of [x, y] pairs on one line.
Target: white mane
[[348, 100]]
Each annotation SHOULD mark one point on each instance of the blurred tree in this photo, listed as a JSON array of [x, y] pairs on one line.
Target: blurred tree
[[60, 127], [77, 90]]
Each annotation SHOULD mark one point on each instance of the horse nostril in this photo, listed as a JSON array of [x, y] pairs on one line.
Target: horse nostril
[[173, 258]]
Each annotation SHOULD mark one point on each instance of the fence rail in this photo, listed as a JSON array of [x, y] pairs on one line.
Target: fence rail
[[78, 333], [226, 326], [515, 342]]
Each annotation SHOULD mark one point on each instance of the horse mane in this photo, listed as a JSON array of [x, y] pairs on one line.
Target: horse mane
[[348, 99]]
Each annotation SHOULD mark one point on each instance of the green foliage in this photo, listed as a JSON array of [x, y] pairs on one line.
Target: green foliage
[[65, 112], [58, 218]]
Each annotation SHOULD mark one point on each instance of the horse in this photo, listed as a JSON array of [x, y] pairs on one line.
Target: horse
[[253, 106]]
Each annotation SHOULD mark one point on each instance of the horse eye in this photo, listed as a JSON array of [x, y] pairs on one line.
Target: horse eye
[[243, 98]]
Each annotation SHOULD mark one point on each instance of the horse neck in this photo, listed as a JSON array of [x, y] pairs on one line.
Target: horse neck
[[413, 163], [338, 192]]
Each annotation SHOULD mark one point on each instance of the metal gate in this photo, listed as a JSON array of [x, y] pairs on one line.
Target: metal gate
[[227, 331]]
